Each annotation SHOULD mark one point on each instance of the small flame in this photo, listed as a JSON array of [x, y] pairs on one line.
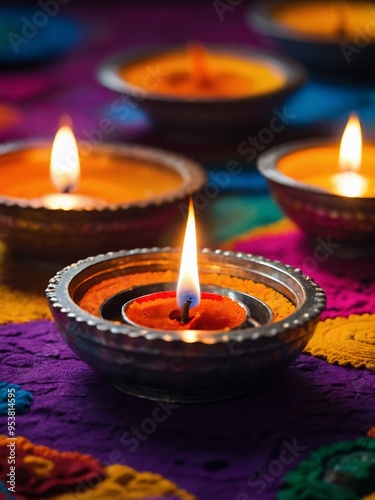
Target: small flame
[[188, 281], [65, 167], [349, 182], [350, 157]]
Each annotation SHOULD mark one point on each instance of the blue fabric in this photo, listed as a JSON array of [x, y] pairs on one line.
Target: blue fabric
[[31, 35], [331, 103], [5, 494], [22, 399]]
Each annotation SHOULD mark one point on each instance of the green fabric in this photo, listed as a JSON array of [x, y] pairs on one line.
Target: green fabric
[[232, 215], [343, 471]]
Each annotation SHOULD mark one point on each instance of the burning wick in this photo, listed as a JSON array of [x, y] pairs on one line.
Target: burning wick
[[68, 189], [200, 70], [343, 15], [185, 312]]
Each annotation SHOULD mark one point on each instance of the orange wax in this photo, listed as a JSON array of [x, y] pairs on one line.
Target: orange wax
[[191, 73], [114, 179], [318, 167], [92, 300], [160, 310], [330, 19]]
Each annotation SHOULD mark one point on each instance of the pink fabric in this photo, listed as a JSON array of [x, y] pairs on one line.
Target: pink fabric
[[349, 284]]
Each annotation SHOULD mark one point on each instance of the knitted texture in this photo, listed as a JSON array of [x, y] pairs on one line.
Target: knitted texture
[[22, 290], [346, 341], [52, 475], [343, 471]]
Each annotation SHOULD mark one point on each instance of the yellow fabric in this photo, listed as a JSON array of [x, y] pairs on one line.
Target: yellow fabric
[[346, 341], [41, 466], [123, 482], [22, 290]]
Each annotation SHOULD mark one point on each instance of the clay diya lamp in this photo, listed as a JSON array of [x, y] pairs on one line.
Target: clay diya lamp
[[327, 188], [330, 37], [188, 327], [114, 196], [199, 90]]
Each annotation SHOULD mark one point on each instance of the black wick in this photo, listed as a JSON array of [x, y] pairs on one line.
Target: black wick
[[185, 311], [68, 189]]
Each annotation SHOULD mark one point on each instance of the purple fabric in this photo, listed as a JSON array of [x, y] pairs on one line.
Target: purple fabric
[[212, 450]]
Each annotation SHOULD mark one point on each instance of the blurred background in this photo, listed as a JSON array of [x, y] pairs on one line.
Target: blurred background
[[50, 51]]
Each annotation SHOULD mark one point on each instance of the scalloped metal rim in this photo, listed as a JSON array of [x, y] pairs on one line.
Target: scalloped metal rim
[[58, 296], [192, 173], [108, 76]]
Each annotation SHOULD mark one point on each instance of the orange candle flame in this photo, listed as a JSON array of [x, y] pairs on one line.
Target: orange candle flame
[[349, 182], [188, 281], [65, 166]]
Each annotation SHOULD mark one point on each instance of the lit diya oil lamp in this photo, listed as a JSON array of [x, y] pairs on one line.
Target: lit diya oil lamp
[[327, 188], [199, 73], [335, 35], [186, 307], [57, 204], [203, 89], [121, 314]]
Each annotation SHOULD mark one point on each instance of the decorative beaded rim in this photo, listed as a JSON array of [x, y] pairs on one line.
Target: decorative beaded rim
[[314, 300], [193, 175]]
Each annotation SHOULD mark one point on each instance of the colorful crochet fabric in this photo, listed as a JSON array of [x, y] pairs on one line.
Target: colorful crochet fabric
[[347, 334], [124, 482], [43, 472], [52, 475], [211, 450]]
